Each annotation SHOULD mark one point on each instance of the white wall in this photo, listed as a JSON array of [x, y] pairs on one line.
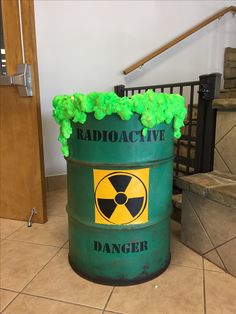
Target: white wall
[[84, 46]]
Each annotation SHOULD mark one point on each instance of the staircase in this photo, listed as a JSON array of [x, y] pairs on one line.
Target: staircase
[[183, 145], [225, 103], [208, 203], [230, 68], [227, 97]]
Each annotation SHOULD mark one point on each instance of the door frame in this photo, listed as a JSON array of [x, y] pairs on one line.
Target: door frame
[[12, 42]]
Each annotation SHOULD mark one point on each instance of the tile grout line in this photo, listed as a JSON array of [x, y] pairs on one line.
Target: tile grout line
[[59, 249], [41, 269], [216, 271], [218, 246], [225, 134], [10, 302], [110, 311], [21, 227], [223, 160], [226, 270], [108, 300], [21, 291], [178, 265], [197, 268], [204, 288], [199, 220], [62, 247], [207, 233], [57, 300], [10, 290], [54, 246]]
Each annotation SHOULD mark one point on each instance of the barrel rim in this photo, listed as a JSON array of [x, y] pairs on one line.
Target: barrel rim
[[116, 282], [137, 165]]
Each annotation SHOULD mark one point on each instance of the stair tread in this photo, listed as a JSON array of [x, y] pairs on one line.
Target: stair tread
[[226, 90], [185, 143], [225, 103], [227, 93], [213, 185], [182, 169]]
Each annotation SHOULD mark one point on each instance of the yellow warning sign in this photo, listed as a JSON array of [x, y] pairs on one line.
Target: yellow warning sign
[[121, 197]]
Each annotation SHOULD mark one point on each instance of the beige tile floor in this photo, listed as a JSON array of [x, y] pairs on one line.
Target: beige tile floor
[[36, 277]]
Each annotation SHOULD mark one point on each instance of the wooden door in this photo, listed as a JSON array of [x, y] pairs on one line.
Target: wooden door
[[21, 164]]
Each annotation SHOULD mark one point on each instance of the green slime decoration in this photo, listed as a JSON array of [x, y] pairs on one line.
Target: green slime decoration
[[153, 108]]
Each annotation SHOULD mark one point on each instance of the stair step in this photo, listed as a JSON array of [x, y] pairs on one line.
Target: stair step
[[230, 70], [182, 170], [225, 104], [177, 200], [227, 93], [184, 129], [194, 112], [183, 148], [230, 83], [177, 206], [230, 63], [212, 197], [212, 185], [183, 151], [184, 143]]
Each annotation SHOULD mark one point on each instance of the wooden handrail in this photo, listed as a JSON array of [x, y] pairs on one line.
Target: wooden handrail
[[179, 38]]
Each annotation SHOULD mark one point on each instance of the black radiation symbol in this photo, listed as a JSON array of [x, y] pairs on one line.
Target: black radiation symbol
[[120, 197]]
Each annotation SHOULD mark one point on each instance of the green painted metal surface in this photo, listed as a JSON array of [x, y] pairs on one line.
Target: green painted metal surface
[[119, 199]]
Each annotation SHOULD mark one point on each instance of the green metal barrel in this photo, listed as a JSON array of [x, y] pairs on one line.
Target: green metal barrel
[[119, 199]]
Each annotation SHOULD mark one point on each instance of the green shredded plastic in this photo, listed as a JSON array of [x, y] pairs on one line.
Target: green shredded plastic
[[153, 108]]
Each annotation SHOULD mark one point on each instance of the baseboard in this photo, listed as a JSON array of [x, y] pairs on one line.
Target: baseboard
[[57, 182]]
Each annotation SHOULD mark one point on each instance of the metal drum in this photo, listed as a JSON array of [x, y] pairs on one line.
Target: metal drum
[[119, 199]]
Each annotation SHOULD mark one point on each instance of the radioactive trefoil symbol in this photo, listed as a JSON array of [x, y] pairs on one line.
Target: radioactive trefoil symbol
[[120, 197]]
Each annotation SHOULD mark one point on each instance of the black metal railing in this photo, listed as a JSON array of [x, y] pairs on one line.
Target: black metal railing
[[194, 151]]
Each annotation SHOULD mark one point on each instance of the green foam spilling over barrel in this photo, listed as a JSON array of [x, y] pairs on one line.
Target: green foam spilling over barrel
[[119, 170]]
